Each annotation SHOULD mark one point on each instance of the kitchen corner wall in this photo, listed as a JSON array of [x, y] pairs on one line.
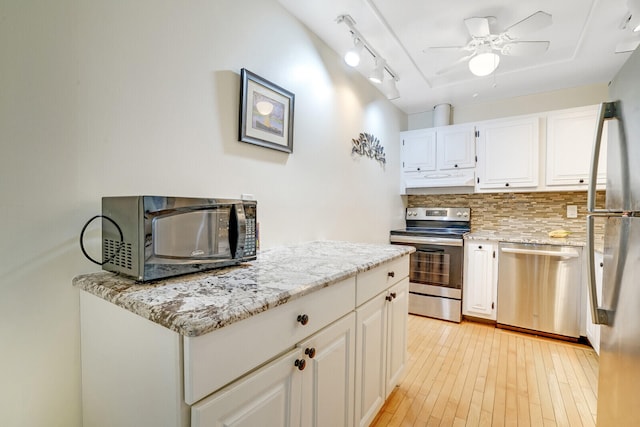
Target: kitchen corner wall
[[120, 97], [520, 213]]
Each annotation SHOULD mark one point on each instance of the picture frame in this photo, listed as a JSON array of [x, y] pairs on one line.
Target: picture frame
[[266, 113]]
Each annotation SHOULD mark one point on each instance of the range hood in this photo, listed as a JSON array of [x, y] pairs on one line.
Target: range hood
[[438, 179]]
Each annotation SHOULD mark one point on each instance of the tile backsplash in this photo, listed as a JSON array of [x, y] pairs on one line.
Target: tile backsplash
[[528, 212]]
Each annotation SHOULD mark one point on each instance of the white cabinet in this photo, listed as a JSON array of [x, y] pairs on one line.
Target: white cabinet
[[291, 365], [456, 147], [418, 150], [438, 157], [328, 377], [508, 154], [593, 331], [268, 397], [381, 325], [309, 386], [480, 284], [570, 137], [398, 309]]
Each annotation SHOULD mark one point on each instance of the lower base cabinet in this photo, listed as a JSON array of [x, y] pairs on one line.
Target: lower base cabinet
[[380, 349], [480, 284], [593, 330], [338, 374], [309, 386], [328, 377], [269, 397]]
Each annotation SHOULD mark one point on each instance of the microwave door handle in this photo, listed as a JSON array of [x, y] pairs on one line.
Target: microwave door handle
[[606, 111], [242, 230]]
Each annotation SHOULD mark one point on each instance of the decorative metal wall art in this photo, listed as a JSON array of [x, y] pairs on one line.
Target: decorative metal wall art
[[368, 145]]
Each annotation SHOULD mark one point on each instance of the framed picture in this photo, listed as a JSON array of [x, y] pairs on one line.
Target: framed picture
[[266, 113]]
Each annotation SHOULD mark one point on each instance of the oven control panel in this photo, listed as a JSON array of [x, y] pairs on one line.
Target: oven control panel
[[438, 214]]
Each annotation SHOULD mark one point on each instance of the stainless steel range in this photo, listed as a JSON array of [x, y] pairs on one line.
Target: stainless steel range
[[436, 267]]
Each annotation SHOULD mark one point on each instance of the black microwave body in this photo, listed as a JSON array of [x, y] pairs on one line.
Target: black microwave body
[[153, 237]]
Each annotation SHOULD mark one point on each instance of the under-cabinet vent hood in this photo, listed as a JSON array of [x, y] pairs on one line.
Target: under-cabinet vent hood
[[436, 179]]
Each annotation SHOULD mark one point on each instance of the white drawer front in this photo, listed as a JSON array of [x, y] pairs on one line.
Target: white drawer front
[[372, 282], [217, 358]]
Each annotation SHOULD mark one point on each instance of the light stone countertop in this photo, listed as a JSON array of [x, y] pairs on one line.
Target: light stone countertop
[[573, 239], [195, 304]]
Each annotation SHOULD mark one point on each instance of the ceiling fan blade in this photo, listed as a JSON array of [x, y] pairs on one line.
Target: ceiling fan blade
[[627, 46], [454, 64], [524, 48], [478, 27], [529, 24]]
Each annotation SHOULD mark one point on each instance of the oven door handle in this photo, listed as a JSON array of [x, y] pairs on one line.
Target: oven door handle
[[422, 239]]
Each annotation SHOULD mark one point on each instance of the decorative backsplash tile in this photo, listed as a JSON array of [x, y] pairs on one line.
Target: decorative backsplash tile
[[518, 212]]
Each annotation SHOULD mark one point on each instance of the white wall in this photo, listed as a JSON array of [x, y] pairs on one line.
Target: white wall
[[119, 97], [529, 104]]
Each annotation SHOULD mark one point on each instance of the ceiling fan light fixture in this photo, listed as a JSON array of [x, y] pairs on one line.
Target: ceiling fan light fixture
[[484, 64]]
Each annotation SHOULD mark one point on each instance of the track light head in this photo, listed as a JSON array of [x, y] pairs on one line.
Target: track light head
[[352, 57], [377, 74]]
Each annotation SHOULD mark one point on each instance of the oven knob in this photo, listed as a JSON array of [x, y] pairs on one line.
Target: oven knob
[[459, 213], [465, 214]]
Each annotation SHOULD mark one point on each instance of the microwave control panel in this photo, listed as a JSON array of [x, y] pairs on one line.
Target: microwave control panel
[[250, 243]]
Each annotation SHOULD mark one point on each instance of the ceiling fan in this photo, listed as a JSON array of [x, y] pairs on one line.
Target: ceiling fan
[[484, 48]]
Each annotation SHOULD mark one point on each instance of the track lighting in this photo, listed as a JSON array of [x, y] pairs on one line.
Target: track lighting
[[381, 69], [390, 89], [352, 57], [377, 74], [634, 15]]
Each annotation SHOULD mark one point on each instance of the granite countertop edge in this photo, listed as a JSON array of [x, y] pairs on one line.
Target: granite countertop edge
[[199, 303], [573, 239]]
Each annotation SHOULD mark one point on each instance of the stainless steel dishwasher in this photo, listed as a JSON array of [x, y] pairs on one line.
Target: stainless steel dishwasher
[[539, 288]]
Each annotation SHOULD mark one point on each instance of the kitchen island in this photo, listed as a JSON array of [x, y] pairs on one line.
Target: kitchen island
[[209, 347]]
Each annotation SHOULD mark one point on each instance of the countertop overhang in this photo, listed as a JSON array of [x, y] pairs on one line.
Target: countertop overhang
[[573, 239], [196, 304]]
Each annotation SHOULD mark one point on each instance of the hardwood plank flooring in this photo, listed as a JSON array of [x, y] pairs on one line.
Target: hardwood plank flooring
[[473, 374]]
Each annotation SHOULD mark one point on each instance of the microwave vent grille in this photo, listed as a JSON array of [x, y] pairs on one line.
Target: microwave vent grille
[[121, 258]]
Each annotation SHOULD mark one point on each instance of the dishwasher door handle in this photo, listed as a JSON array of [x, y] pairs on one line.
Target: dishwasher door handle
[[571, 254]]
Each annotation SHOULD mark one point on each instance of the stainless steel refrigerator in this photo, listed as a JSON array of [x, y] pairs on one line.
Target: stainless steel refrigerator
[[619, 310]]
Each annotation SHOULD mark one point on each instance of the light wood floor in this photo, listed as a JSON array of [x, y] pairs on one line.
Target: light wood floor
[[472, 374]]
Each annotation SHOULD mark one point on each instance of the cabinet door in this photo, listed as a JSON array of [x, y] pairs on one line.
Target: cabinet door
[[418, 150], [371, 347], [570, 137], [508, 154], [480, 281], [328, 378], [456, 147], [593, 331], [268, 397], [398, 308]]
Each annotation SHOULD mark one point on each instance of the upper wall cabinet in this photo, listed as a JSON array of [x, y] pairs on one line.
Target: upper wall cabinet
[[570, 136], [438, 157], [508, 154], [418, 150], [456, 147]]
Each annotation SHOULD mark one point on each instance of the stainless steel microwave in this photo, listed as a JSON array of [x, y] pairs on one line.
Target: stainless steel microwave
[[153, 237]]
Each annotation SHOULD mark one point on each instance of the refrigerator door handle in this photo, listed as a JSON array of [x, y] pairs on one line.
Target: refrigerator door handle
[[607, 111], [599, 316]]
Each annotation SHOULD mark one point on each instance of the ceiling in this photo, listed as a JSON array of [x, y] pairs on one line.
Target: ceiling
[[584, 36]]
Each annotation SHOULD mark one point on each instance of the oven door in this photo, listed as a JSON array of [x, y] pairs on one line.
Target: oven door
[[436, 270]]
